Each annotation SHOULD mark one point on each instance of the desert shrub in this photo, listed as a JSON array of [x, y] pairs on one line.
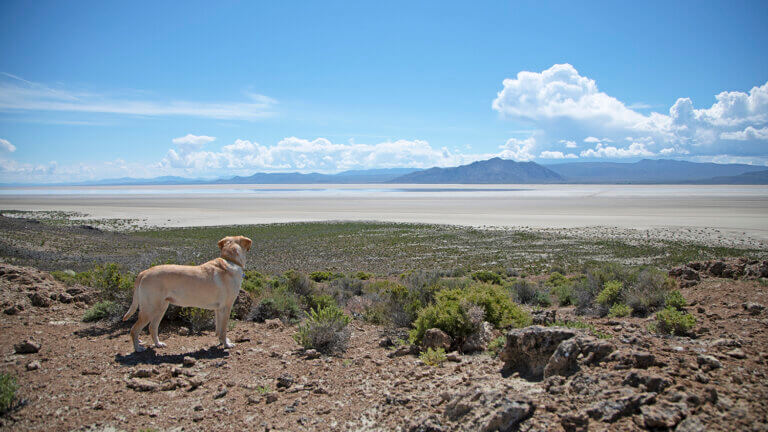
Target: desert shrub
[[610, 293], [420, 283], [254, 282], [496, 346], [69, 277], [298, 283], [433, 357], [111, 283], [347, 286], [321, 301], [486, 276], [363, 275], [674, 322], [450, 310], [324, 329], [197, 319], [676, 300], [104, 309], [649, 292], [321, 276], [8, 389], [561, 288], [529, 293], [280, 303], [619, 310], [391, 303]]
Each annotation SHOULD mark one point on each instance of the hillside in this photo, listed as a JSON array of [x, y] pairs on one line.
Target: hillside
[[491, 171]]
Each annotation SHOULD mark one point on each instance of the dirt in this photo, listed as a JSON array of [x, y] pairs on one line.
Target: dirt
[[88, 378]]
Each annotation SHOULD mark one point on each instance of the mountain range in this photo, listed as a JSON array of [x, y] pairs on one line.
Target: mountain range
[[496, 171]]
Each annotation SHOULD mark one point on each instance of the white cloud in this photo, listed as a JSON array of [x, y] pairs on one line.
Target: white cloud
[[6, 145], [519, 150], [749, 133], [563, 104], [191, 142], [21, 95], [569, 144], [601, 151], [556, 155]]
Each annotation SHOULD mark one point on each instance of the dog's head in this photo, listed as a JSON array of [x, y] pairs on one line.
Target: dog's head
[[234, 248]]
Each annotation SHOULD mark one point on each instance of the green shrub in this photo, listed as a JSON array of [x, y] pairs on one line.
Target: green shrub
[[104, 309], [198, 319], [324, 330], [496, 346], [321, 301], [529, 293], [676, 300], [486, 276], [363, 275], [433, 357], [298, 283], [445, 314], [649, 292], [111, 283], [280, 303], [320, 276], [254, 282], [563, 294], [619, 310], [69, 277], [391, 303], [610, 293], [674, 322], [8, 389]]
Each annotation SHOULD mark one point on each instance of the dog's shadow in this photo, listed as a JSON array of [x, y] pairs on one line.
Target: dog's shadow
[[150, 356], [114, 329]]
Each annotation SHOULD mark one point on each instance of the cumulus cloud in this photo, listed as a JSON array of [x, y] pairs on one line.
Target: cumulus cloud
[[556, 155], [519, 150], [566, 107], [6, 145], [318, 155], [569, 144], [191, 142], [18, 94]]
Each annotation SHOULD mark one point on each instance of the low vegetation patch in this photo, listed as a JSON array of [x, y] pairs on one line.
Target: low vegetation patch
[[8, 389], [674, 322], [197, 319], [104, 309], [676, 300], [486, 276], [619, 310], [324, 330], [433, 357]]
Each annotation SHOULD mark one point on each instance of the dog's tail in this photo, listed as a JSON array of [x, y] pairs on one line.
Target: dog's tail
[[135, 302]]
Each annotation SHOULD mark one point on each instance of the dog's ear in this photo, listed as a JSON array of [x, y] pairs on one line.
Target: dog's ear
[[245, 242], [223, 241]]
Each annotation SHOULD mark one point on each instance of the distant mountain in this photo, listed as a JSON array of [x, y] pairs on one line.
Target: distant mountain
[[162, 180], [346, 177], [748, 178], [647, 171], [496, 170]]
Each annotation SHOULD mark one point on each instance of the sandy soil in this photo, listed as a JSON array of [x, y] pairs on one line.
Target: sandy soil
[[734, 211]]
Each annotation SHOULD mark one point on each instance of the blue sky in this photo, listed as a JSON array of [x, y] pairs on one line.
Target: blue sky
[[111, 89]]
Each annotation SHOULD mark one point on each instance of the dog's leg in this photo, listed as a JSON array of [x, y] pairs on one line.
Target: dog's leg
[[141, 322], [222, 318], [154, 325]]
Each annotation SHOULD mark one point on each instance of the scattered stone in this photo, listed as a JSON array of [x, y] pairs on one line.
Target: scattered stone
[[142, 372], [14, 309], [285, 380], [27, 347], [65, 298], [480, 409], [195, 382], [753, 308], [142, 385], [39, 300], [663, 414], [311, 354], [435, 338], [690, 424], [707, 362], [529, 349], [737, 353], [33, 365], [478, 340], [572, 353], [188, 361], [386, 342], [544, 317], [404, 350], [271, 397], [652, 383], [610, 409], [274, 323], [183, 331], [172, 384], [574, 422], [453, 357], [710, 394], [221, 392]]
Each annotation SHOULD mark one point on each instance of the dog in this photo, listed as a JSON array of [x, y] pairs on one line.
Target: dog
[[212, 285]]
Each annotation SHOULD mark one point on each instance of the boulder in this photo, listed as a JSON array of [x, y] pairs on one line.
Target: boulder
[[483, 409], [544, 317], [577, 351], [65, 298], [27, 347], [435, 338], [529, 349], [652, 383], [39, 300], [610, 409], [285, 380], [574, 422], [143, 385], [708, 362], [243, 305], [274, 323], [663, 415], [479, 340]]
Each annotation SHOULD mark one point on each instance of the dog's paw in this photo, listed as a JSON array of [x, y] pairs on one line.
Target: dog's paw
[[139, 348], [160, 344], [228, 344]]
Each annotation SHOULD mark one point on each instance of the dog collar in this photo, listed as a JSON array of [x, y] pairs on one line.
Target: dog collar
[[242, 267]]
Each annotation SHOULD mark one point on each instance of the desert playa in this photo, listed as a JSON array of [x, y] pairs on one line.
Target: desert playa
[[725, 211]]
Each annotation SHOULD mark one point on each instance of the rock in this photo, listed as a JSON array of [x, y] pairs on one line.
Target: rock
[[643, 359], [574, 422], [544, 317], [221, 392], [142, 372], [311, 354], [73, 291], [172, 384], [707, 362], [39, 300], [479, 340], [33, 365], [274, 323], [737, 353], [663, 414], [183, 331], [435, 338], [195, 382], [27, 347], [142, 385], [453, 357], [710, 394], [85, 297], [753, 308], [717, 268], [285, 380], [685, 273], [482, 409], [243, 305], [572, 353], [271, 397], [652, 383], [65, 298], [14, 309], [386, 342], [404, 350], [529, 349], [610, 410], [690, 424], [188, 361]]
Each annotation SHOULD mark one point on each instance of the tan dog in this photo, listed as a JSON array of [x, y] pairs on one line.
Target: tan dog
[[213, 285]]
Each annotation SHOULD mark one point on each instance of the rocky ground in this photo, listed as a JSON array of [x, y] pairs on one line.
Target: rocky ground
[[82, 376]]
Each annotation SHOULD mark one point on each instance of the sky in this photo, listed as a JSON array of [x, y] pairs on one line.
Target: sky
[[93, 90]]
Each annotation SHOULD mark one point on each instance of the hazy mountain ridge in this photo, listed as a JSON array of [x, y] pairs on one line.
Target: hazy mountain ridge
[[491, 171], [648, 171]]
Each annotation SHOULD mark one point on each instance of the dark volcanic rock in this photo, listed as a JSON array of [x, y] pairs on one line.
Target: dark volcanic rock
[[480, 409], [529, 349]]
